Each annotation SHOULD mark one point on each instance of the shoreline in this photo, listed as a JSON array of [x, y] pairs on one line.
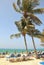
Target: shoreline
[[18, 50]]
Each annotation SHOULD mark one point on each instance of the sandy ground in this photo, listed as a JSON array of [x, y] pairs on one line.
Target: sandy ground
[[3, 61]]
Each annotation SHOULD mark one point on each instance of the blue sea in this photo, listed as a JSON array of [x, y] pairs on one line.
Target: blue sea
[[18, 50]]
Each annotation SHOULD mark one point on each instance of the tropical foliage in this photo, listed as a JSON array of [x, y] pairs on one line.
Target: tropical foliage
[[28, 22], [27, 8]]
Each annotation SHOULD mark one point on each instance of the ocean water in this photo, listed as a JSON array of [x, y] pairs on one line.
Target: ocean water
[[18, 50]]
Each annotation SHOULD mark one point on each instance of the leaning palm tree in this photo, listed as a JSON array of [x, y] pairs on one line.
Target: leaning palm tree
[[27, 9], [30, 30], [19, 35], [23, 30], [27, 29], [37, 34]]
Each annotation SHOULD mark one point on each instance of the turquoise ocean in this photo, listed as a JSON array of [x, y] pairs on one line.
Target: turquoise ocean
[[18, 50]]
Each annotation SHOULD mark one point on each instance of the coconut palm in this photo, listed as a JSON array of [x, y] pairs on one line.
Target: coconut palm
[[30, 30], [37, 34], [22, 27], [33, 33], [27, 9], [19, 35]]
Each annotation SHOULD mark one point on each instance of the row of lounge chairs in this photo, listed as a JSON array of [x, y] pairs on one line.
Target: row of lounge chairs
[[20, 57], [24, 57]]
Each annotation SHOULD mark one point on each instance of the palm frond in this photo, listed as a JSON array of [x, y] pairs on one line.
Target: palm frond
[[42, 44], [35, 19], [19, 26], [38, 11], [42, 39], [18, 2], [24, 24], [34, 3], [26, 5], [15, 35], [30, 26], [16, 9], [35, 31], [40, 36], [28, 23], [43, 32]]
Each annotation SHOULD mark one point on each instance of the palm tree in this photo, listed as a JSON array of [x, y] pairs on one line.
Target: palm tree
[[36, 33], [30, 30], [27, 9], [23, 29], [18, 35]]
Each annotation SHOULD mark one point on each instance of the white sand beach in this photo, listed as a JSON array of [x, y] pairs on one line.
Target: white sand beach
[[3, 61]]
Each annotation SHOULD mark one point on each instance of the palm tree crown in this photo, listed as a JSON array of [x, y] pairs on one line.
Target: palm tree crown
[[27, 24], [27, 9]]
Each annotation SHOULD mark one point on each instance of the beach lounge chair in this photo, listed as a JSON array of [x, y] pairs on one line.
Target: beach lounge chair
[[18, 55], [42, 55], [2, 56], [10, 56]]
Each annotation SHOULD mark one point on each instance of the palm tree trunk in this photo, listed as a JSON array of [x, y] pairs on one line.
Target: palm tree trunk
[[34, 45], [25, 44]]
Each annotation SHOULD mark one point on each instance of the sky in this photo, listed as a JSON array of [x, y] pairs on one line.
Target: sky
[[7, 27]]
